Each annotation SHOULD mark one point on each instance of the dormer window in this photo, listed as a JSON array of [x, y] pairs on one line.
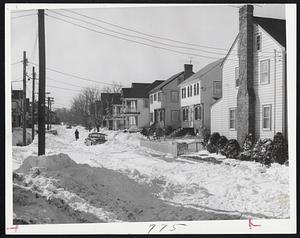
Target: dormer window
[[258, 42]]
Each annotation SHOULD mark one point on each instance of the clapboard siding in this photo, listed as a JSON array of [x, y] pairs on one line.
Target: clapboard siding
[[220, 110], [272, 93]]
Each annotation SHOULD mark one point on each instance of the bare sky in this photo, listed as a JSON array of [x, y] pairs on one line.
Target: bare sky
[[104, 58]]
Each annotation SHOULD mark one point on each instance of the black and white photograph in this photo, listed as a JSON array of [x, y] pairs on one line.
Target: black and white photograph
[[178, 117]]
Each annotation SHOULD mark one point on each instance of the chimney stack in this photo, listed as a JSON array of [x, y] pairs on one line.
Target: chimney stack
[[245, 97], [188, 71]]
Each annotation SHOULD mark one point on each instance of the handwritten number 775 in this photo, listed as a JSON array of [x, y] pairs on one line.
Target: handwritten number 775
[[163, 226]]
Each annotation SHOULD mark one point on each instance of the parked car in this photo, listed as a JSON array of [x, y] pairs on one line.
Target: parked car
[[95, 138], [69, 127], [52, 132]]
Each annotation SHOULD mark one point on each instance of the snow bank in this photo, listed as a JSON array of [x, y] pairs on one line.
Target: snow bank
[[231, 186], [50, 187]]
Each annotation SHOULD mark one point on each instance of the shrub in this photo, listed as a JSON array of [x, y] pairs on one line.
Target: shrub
[[145, 131], [159, 132], [262, 152], [247, 148], [168, 130], [280, 149], [213, 139], [222, 142], [212, 143], [231, 150]]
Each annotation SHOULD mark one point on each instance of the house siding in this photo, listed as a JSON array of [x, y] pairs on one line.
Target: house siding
[[273, 93], [220, 110]]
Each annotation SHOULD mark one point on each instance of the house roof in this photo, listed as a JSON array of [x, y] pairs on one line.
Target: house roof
[[140, 90], [140, 85], [274, 27], [206, 69], [160, 86], [113, 98]]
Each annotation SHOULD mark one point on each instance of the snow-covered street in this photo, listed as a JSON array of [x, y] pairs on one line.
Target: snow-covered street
[[119, 174]]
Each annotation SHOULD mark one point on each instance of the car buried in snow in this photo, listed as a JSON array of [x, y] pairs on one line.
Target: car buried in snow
[[95, 138]]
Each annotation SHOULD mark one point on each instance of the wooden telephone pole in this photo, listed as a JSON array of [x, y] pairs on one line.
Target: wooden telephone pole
[[32, 104], [24, 98], [42, 82]]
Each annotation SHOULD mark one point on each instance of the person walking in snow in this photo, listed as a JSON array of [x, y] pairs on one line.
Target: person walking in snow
[[76, 134]]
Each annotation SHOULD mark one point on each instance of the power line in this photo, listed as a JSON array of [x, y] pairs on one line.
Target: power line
[[51, 86], [73, 75], [17, 62], [145, 34], [24, 16], [137, 42], [135, 36], [63, 82]]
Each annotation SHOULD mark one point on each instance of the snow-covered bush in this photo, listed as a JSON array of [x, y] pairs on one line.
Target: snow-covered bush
[[262, 151], [280, 149], [247, 148], [145, 131], [231, 150], [222, 142], [212, 142], [169, 130]]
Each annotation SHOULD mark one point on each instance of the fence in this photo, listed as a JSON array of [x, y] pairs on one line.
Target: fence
[[174, 148]]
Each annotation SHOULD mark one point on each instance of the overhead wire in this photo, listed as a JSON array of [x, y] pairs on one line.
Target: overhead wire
[[135, 36], [27, 15], [143, 33], [134, 41]]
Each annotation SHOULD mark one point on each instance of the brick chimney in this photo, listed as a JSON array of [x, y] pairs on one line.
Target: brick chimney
[[188, 71], [245, 97]]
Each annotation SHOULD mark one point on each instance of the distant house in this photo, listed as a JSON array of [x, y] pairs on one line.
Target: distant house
[[254, 81], [135, 105], [17, 107], [104, 108], [165, 101], [198, 93]]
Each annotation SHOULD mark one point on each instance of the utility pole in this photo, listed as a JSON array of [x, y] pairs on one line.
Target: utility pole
[[32, 104], [42, 82], [24, 97], [48, 109]]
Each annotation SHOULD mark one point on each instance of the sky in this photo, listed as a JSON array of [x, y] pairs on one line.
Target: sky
[[94, 54]]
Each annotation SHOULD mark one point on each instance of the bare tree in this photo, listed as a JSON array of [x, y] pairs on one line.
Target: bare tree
[[114, 88]]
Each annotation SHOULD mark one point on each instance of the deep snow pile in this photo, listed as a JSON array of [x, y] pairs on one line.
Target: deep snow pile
[[231, 186]]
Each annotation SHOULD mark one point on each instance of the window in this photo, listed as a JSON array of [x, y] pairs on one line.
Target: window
[[183, 93], [175, 115], [197, 112], [132, 121], [217, 88], [195, 89], [266, 117], [151, 116], [265, 71], [258, 42], [159, 96], [174, 96], [151, 98], [161, 115], [132, 105], [198, 91], [191, 90], [185, 112], [155, 96], [188, 91], [232, 118], [146, 103], [236, 76]]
